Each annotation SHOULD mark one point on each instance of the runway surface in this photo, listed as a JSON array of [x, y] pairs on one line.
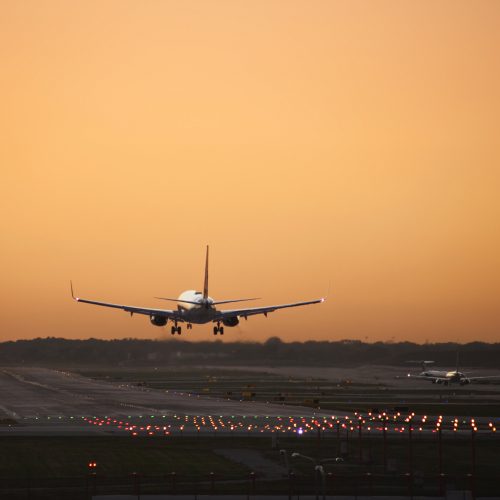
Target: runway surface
[[41, 401], [39, 394]]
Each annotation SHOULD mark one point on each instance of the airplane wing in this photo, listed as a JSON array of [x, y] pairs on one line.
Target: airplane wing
[[165, 313], [490, 377], [420, 377], [244, 313]]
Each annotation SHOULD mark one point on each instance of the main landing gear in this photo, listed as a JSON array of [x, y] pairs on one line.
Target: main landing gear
[[218, 329], [176, 329]]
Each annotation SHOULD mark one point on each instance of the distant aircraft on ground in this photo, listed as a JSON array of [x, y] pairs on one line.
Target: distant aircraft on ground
[[197, 307], [446, 377]]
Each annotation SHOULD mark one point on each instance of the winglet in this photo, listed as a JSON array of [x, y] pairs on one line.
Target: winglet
[[72, 293], [328, 292], [205, 285]]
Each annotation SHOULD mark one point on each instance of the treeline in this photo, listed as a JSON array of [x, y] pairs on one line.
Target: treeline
[[134, 352]]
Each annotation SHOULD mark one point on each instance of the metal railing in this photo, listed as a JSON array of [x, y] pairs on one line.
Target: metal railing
[[291, 485]]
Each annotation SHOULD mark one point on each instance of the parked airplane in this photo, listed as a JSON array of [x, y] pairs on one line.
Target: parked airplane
[[447, 377], [197, 307]]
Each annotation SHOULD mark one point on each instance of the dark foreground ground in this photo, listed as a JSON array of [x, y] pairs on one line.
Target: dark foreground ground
[[39, 405], [57, 467]]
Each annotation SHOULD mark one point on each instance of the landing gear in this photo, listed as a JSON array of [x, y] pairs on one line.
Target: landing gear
[[175, 329], [189, 326], [218, 329]]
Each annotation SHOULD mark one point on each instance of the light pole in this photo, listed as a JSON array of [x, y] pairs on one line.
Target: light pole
[[319, 471], [284, 454]]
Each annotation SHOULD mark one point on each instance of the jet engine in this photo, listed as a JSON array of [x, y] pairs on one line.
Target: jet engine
[[158, 320], [233, 321]]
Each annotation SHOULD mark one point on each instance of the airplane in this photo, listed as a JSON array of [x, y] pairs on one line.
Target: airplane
[[196, 307], [446, 377]]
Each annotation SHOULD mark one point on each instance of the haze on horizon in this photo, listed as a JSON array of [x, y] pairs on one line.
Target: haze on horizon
[[346, 142]]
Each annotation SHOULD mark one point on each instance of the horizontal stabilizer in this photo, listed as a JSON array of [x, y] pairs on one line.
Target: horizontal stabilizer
[[211, 303], [234, 300], [420, 362], [179, 300]]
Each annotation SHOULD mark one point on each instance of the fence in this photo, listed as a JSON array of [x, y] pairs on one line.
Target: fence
[[172, 483]]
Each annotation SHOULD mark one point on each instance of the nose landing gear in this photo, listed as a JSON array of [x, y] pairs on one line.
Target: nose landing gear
[[218, 329]]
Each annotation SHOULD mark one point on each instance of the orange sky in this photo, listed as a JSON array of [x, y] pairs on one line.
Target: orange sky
[[308, 142]]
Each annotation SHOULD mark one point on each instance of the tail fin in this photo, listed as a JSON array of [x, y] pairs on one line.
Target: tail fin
[[425, 365], [205, 285]]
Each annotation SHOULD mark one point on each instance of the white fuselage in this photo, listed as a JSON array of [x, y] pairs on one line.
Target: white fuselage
[[202, 312], [452, 376]]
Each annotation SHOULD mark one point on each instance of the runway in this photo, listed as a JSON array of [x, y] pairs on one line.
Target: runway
[[41, 401], [40, 396]]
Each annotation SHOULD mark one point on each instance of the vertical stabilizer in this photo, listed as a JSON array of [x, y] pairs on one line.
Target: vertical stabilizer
[[205, 285], [425, 365]]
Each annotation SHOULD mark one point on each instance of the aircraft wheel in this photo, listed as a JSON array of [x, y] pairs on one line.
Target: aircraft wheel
[[172, 331], [215, 330], [178, 330], [221, 330]]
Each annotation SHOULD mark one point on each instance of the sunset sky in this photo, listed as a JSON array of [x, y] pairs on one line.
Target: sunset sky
[[315, 145]]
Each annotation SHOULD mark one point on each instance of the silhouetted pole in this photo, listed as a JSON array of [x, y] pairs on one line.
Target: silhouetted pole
[[440, 451], [369, 480], [137, 484], [173, 475], [321, 481], [409, 476], [440, 461], [410, 449], [347, 427], [473, 450], [252, 480], [291, 477], [384, 435], [338, 437], [91, 489], [360, 441], [331, 478], [212, 483]]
